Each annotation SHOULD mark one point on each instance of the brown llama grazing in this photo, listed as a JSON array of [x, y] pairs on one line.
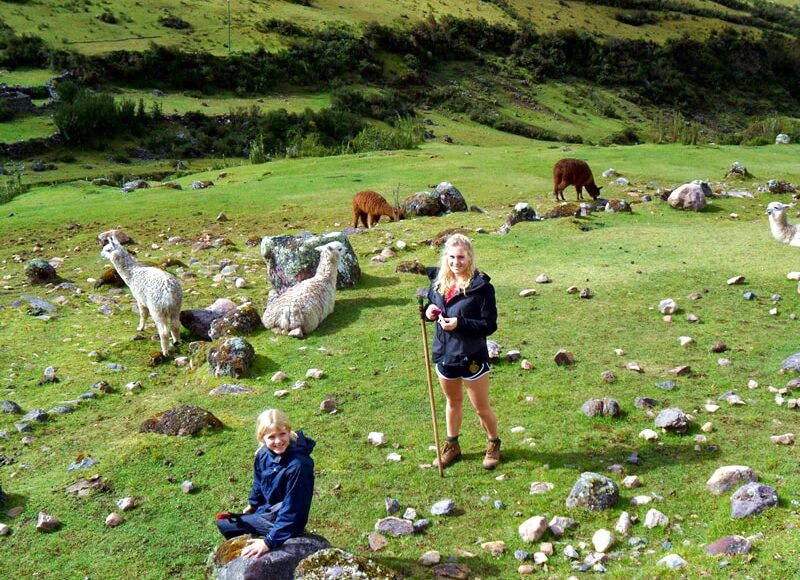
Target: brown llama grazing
[[369, 206], [575, 172]]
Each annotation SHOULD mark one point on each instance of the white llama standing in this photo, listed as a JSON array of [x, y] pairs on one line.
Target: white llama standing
[[157, 293], [303, 307], [782, 230]]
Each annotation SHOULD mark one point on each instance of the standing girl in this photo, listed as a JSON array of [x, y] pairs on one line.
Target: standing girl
[[463, 304], [283, 484]]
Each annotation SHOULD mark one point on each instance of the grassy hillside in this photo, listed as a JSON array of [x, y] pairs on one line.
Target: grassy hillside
[[370, 349]]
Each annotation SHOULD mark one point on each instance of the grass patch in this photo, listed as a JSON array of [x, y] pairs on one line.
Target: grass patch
[[373, 369], [24, 127]]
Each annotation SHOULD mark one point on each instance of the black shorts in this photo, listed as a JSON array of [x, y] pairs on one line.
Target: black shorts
[[471, 371]]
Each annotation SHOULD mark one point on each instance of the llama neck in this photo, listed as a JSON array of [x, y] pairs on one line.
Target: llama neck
[[781, 229], [124, 264], [328, 266]]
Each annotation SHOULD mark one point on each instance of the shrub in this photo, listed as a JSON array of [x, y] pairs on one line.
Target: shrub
[[107, 17], [257, 152], [174, 22], [12, 187]]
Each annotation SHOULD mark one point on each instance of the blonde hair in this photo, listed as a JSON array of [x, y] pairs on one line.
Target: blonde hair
[[272, 420], [446, 279]]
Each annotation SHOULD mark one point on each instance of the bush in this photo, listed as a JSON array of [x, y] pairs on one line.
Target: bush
[[107, 17], [6, 112], [257, 152], [12, 187]]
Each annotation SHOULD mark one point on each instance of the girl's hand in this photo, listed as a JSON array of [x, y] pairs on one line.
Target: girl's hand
[[448, 324], [249, 509], [432, 312], [255, 548]]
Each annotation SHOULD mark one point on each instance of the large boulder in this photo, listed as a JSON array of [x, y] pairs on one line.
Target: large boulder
[[689, 196], [336, 563], [422, 203], [39, 271], [594, 492], [183, 420], [232, 358], [292, 259], [226, 563], [449, 197], [199, 321]]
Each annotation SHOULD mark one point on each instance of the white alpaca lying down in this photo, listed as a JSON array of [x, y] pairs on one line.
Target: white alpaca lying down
[[782, 230], [157, 293], [303, 307]]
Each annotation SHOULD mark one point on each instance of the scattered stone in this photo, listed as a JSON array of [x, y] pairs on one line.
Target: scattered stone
[[644, 403], [689, 196], [46, 523], [729, 546], [672, 561], [634, 366], [718, 347], [10, 407], [648, 435], [785, 439], [603, 540], [126, 504], [394, 526], [752, 499], [624, 523], [594, 492], [667, 306], [179, 421], [666, 385], [564, 358], [609, 376], [707, 427], [39, 271], [543, 279], [377, 541], [394, 457], [728, 476], [631, 481], [680, 370], [559, 525], [525, 569], [692, 318], [314, 374], [749, 295], [231, 389], [641, 500], [376, 438], [421, 524], [443, 507], [606, 407], [410, 514], [495, 548], [82, 463], [513, 355], [113, 520], [685, 340], [84, 487], [673, 420], [4, 530], [532, 529], [430, 558], [526, 365], [655, 518], [540, 487], [187, 487], [527, 292]]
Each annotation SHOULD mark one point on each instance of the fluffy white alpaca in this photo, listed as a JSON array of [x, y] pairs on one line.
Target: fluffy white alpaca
[[782, 230], [304, 306], [157, 293]]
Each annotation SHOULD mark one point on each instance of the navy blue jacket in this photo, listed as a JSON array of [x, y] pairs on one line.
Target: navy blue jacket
[[477, 318], [287, 478]]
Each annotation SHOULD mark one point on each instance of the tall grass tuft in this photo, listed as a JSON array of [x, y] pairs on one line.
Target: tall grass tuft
[[258, 153], [12, 187]]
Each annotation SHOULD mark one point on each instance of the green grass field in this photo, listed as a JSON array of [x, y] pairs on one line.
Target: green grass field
[[370, 351]]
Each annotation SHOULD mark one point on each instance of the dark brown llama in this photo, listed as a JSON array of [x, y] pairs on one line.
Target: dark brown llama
[[575, 172], [369, 206]]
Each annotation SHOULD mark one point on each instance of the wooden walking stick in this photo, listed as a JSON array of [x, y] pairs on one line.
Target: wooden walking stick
[[422, 293]]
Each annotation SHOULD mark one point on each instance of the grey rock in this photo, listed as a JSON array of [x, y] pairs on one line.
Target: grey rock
[[606, 407], [672, 561], [85, 463], [450, 197], [39, 271], [522, 212], [520, 555], [443, 507], [422, 203], [791, 362], [23, 427], [279, 564], [10, 407], [730, 546], [394, 526], [187, 487], [749, 295], [594, 492], [231, 389], [232, 358], [61, 410], [38, 415], [46, 523], [392, 505], [421, 524], [751, 499], [666, 385], [673, 420], [644, 403], [689, 196]]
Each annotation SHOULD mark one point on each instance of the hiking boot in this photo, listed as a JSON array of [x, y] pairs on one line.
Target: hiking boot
[[492, 457], [450, 453]]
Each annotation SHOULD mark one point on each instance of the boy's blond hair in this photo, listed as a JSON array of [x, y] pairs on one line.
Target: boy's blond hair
[[446, 279], [272, 420]]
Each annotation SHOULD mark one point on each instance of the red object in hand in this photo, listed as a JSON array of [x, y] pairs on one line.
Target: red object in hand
[[436, 311], [223, 515]]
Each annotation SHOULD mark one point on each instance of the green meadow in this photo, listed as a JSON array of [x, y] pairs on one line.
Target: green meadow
[[371, 353]]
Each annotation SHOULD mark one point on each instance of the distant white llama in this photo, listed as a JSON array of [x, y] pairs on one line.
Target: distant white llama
[[302, 308], [157, 293], [782, 230]]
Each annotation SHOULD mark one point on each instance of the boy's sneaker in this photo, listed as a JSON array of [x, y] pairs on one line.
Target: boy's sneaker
[[450, 453], [492, 457]]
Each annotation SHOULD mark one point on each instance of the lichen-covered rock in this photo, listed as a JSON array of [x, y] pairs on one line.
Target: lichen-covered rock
[[335, 563], [594, 492], [183, 420], [39, 271], [422, 203], [292, 259], [617, 206], [450, 198], [522, 212], [240, 322], [280, 564], [751, 499], [232, 358], [563, 210]]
